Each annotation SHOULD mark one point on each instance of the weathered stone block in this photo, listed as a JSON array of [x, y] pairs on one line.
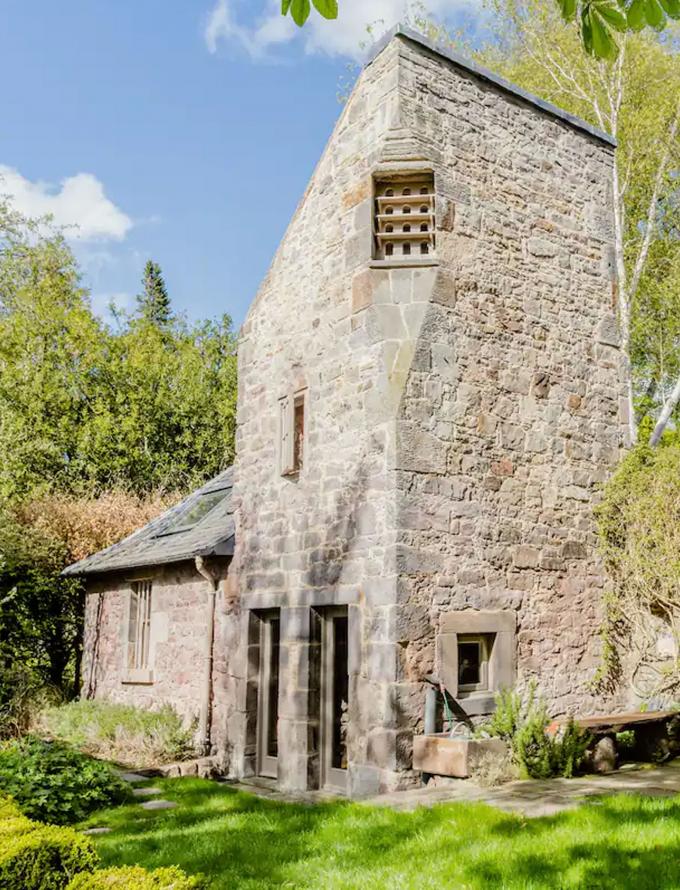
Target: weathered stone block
[[442, 755]]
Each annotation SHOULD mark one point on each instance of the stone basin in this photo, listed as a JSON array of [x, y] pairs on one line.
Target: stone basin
[[441, 755]]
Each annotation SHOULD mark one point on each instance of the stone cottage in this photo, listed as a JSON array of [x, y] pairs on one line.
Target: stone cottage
[[430, 392]]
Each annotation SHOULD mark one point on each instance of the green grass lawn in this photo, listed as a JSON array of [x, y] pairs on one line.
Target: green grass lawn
[[241, 841]]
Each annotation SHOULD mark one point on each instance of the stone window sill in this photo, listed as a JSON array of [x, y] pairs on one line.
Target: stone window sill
[[138, 678], [476, 704], [403, 264]]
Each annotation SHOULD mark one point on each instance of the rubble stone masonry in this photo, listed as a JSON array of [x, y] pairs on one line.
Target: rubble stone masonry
[[461, 412]]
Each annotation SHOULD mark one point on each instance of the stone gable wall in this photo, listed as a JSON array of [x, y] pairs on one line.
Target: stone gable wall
[[514, 410], [327, 537], [461, 416]]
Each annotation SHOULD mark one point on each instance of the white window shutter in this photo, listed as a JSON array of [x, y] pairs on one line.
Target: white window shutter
[[287, 444]]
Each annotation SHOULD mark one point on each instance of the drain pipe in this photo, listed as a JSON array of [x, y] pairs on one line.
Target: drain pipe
[[430, 726], [205, 714]]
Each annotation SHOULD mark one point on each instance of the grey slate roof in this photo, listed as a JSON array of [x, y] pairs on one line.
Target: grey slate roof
[[159, 544], [485, 74]]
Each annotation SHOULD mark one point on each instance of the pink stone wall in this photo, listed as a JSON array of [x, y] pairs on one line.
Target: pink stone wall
[[178, 629]]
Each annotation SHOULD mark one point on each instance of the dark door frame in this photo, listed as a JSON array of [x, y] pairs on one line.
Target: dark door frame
[[332, 776]]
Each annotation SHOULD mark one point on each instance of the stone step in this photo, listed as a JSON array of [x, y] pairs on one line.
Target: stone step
[[145, 792], [158, 805], [132, 777]]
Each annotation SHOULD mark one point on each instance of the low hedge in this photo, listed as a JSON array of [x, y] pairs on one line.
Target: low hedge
[[137, 878], [40, 857]]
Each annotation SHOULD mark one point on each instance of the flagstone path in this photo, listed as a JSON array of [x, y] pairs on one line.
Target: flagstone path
[[533, 798]]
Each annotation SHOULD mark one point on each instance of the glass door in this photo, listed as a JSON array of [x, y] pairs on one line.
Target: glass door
[[268, 695], [334, 698]]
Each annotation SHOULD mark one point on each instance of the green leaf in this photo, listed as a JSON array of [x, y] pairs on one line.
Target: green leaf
[[587, 31], [568, 9], [327, 8], [596, 31], [636, 15], [300, 10], [671, 8], [654, 14], [285, 6], [610, 13]]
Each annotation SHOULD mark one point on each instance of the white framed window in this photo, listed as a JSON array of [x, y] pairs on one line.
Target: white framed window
[[138, 666], [292, 428]]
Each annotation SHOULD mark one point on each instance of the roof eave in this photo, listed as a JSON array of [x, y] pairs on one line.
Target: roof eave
[[223, 548]]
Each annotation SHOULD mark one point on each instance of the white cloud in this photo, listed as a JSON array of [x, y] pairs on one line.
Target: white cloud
[[342, 37], [79, 202]]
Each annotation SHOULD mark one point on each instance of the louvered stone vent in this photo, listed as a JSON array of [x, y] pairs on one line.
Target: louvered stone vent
[[404, 220]]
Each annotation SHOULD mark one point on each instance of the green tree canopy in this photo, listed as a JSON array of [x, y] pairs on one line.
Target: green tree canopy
[[84, 408]]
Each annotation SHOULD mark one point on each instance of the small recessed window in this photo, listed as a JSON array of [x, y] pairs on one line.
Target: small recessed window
[[406, 209], [473, 662], [406, 228], [389, 249], [424, 190], [389, 193], [406, 192], [389, 227], [298, 432], [424, 249], [423, 227], [292, 419], [406, 249]]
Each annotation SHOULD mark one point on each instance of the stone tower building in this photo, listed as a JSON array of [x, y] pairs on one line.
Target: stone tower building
[[431, 391]]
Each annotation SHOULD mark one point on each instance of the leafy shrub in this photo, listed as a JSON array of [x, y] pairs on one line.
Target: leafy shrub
[[640, 541], [22, 695], [40, 857], [120, 732], [51, 782], [523, 724], [569, 749], [136, 878]]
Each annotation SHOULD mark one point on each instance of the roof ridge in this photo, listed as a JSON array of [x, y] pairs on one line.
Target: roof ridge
[[460, 61]]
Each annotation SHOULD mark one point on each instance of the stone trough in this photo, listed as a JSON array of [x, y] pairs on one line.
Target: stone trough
[[439, 754]]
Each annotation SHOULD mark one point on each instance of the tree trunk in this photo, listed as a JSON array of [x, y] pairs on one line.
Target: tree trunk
[[665, 415]]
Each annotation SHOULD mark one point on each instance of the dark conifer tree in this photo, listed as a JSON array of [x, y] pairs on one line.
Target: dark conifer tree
[[154, 302]]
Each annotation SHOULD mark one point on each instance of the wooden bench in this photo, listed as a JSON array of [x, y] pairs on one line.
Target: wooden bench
[[650, 728]]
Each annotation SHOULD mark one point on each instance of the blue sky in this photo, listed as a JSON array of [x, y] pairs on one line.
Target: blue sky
[[183, 132]]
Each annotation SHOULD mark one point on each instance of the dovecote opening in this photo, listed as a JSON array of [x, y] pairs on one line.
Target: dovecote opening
[[404, 216]]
